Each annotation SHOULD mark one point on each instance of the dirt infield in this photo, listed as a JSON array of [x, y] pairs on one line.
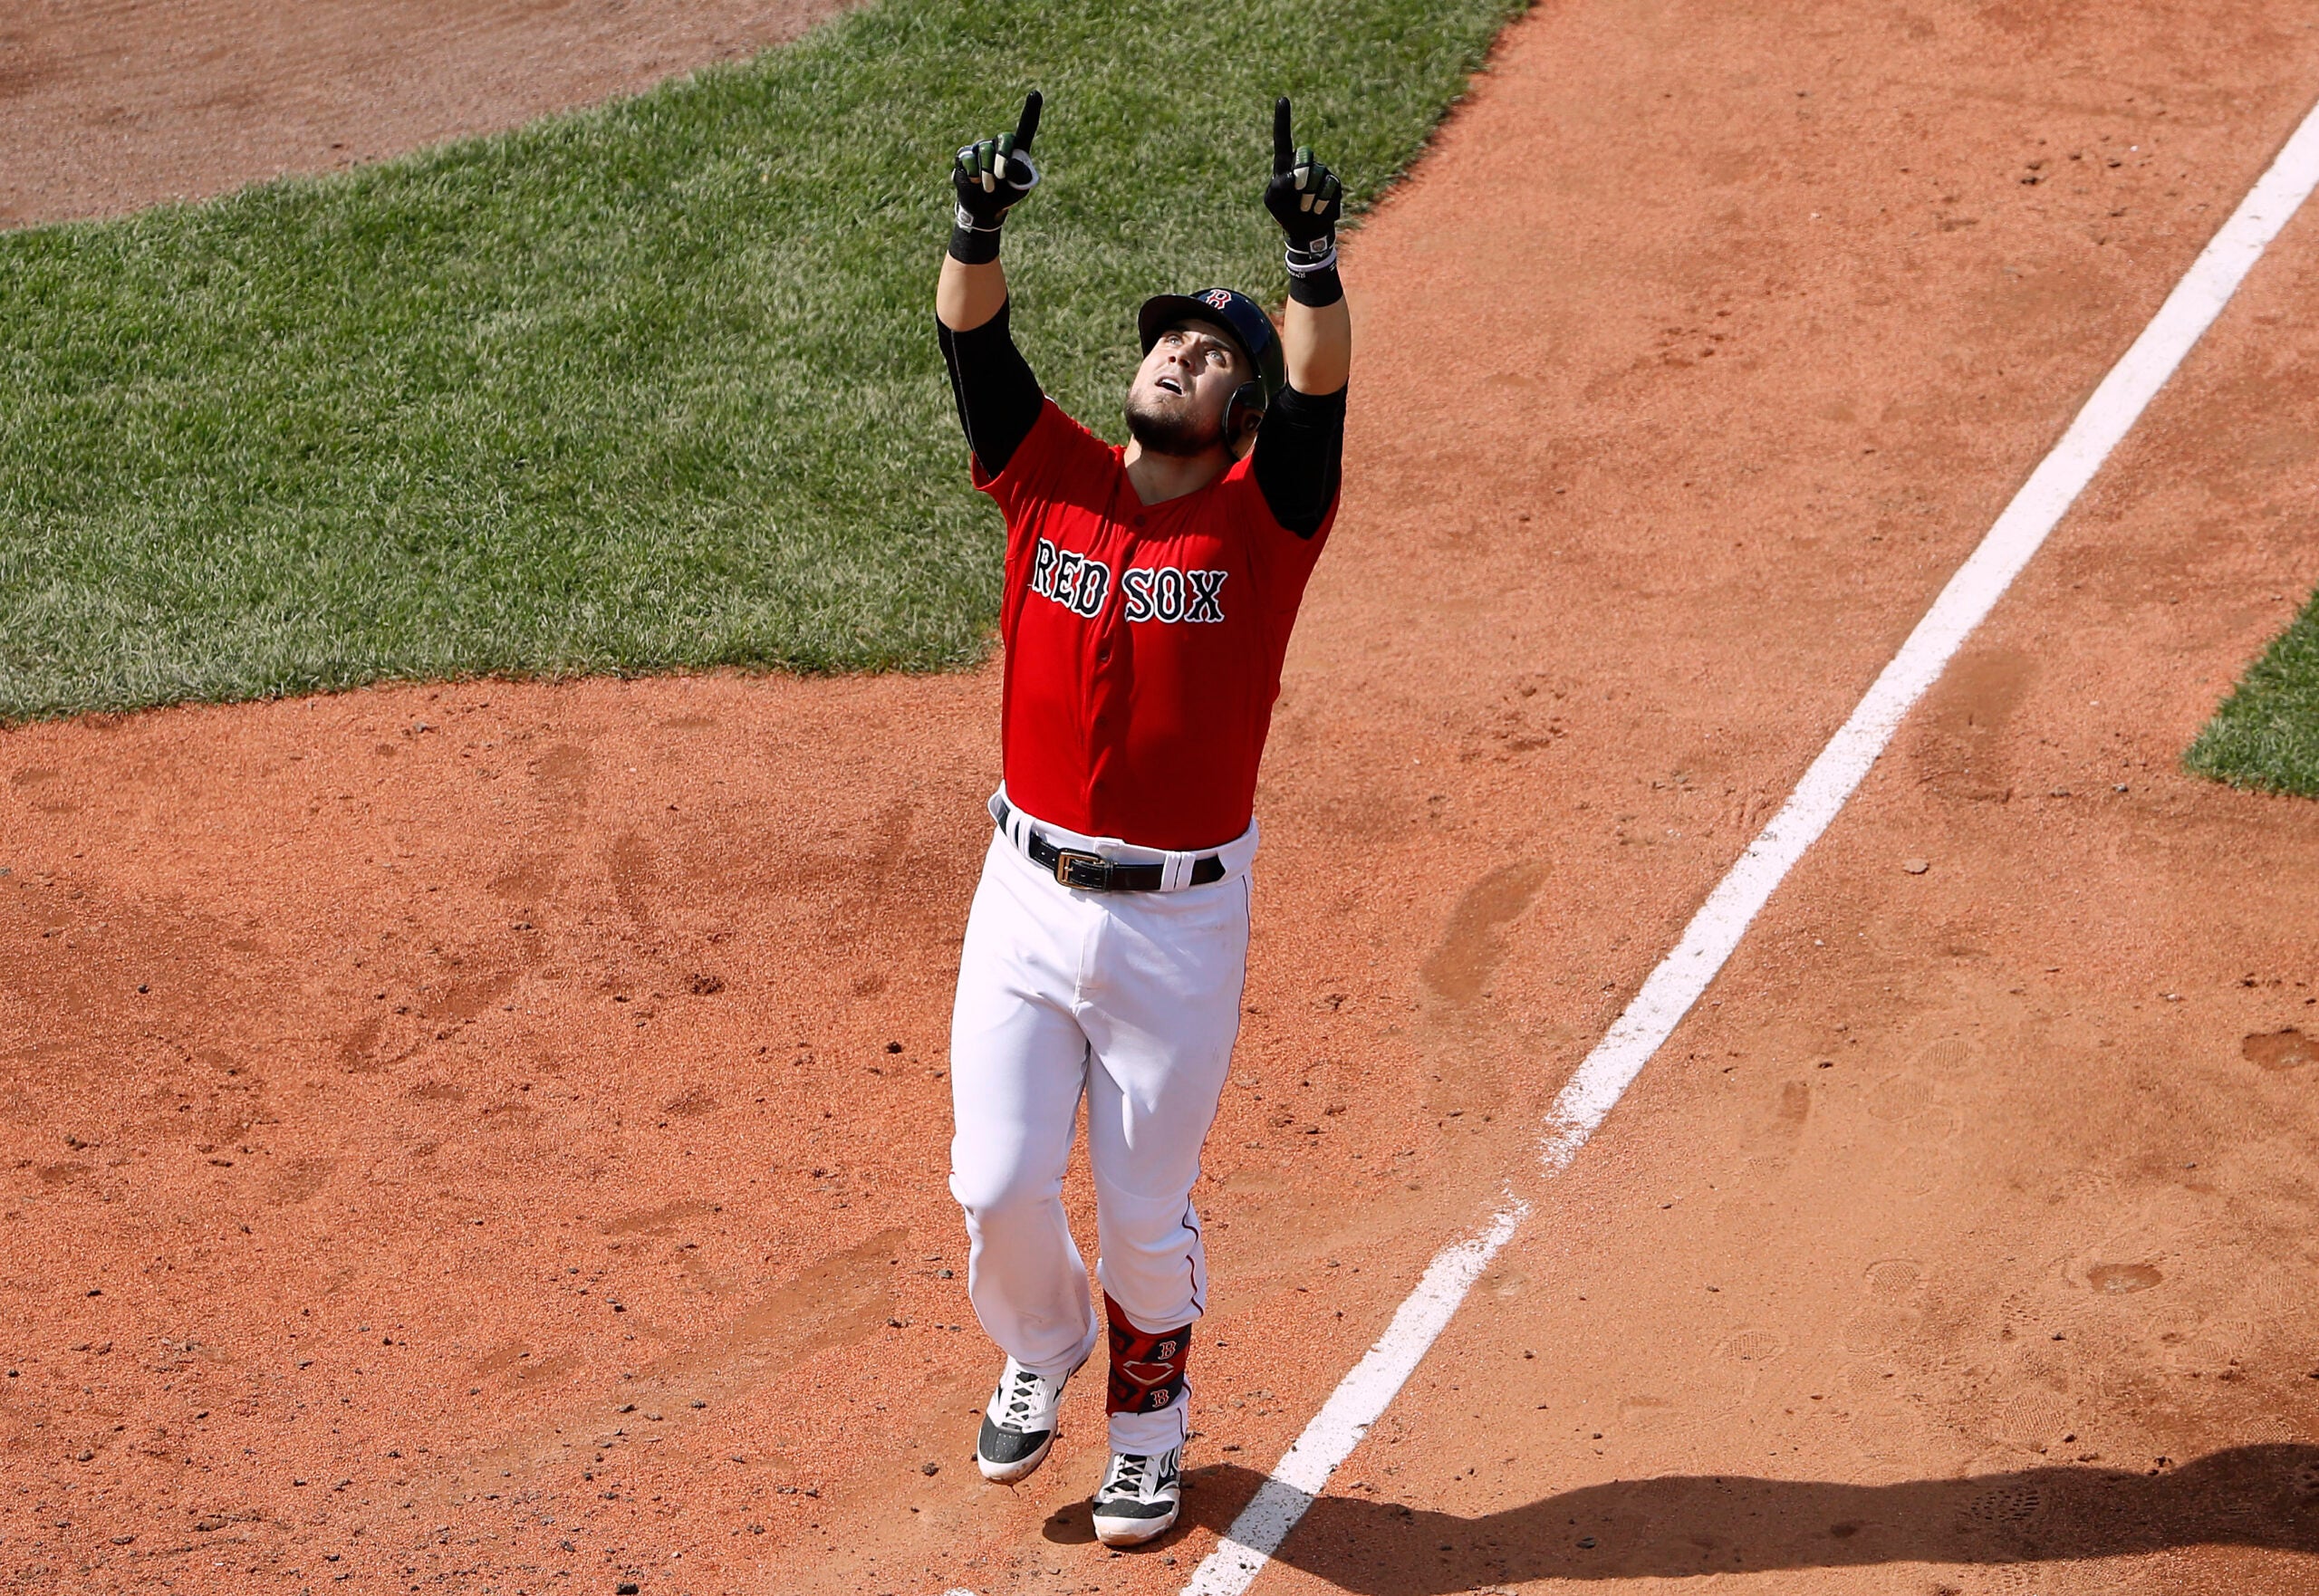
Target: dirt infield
[[491, 1137], [110, 105]]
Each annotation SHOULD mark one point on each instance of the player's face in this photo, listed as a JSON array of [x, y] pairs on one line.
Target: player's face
[[1176, 402]]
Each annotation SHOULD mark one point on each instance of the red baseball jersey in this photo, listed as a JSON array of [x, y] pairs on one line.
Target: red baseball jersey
[[1143, 641]]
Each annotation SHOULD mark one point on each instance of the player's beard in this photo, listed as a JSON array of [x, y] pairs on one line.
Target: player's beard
[[1172, 431]]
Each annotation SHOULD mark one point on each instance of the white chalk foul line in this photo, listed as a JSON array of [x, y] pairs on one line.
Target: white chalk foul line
[[1329, 1439], [1715, 931]]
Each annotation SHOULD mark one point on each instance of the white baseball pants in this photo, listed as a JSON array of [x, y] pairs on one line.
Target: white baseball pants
[[1132, 1000]]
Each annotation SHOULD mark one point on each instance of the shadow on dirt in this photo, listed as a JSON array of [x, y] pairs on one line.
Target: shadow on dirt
[[2261, 1497]]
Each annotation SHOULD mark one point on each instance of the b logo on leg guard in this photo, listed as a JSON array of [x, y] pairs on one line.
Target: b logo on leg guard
[[1147, 1365]]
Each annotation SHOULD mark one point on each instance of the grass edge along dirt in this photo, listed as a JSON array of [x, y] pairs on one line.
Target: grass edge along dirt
[[646, 387], [2266, 736]]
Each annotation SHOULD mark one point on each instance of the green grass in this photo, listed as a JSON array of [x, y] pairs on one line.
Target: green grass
[[2267, 733], [648, 386]]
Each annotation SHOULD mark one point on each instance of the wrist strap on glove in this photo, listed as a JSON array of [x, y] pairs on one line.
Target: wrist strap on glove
[[991, 178], [1312, 273], [972, 244]]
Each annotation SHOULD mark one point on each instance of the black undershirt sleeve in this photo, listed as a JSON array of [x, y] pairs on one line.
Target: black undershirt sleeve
[[1299, 457], [998, 398]]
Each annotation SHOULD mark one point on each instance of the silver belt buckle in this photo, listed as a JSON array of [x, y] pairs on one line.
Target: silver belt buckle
[[1065, 857]]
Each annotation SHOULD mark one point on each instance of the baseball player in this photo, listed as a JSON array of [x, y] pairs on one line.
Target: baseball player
[[1150, 595]]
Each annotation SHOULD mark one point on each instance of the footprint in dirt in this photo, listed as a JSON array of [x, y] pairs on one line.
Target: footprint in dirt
[[1882, 1427], [1460, 967], [1895, 1309], [560, 793], [2119, 1279], [2034, 1420], [1949, 1056], [1639, 1409], [2007, 1507], [1751, 1346], [1892, 1279], [2280, 1051]]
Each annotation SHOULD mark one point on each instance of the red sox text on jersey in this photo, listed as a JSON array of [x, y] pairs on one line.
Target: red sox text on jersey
[[1081, 583], [1143, 641]]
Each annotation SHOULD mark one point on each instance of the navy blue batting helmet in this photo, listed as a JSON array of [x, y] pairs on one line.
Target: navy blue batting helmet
[[1233, 313]]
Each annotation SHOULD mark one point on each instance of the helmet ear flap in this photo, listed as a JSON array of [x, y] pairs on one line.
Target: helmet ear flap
[[1245, 410]]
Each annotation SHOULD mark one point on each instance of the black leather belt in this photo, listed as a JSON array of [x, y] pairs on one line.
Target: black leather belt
[[1092, 872]]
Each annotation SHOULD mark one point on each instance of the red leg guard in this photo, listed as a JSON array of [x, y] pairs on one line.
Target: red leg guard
[[1147, 1365]]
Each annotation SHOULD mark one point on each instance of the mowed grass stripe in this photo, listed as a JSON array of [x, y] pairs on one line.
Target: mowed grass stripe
[[2266, 736], [647, 386]]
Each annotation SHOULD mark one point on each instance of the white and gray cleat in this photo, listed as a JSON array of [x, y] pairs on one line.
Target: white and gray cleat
[[1140, 1498], [1019, 1426]]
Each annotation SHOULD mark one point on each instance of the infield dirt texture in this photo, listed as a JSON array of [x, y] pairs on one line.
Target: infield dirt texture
[[490, 1137]]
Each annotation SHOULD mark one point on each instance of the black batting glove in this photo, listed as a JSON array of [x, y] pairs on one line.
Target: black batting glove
[[990, 179], [1305, 199], [1304, 195]]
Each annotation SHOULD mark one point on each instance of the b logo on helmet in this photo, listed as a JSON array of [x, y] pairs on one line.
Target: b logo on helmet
[[1219, 298]]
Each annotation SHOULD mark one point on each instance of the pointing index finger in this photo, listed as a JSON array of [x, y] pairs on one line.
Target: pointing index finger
[[1284, 147], [1028, 128]]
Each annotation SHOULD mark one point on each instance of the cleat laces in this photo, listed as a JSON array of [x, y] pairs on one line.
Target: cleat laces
[[1136, 1477], [1022, 1401]]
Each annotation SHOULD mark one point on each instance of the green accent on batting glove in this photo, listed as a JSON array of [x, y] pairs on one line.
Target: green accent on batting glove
[[1304, 195], [992, 177]]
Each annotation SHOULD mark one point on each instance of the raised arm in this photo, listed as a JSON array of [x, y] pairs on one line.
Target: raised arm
[[1300, 447], [990, 177], [998, 396], [1305, 199]]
